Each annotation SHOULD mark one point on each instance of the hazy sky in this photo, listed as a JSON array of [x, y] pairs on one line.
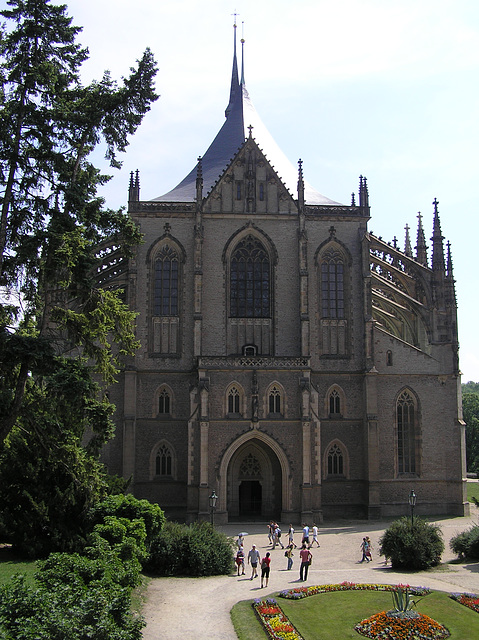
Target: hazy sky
[[379, 88]]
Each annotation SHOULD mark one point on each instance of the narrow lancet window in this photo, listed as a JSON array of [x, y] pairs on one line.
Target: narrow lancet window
[[406, 433]]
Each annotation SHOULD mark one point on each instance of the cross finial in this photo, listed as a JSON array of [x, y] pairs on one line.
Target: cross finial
[[235, 14], [250, 129]]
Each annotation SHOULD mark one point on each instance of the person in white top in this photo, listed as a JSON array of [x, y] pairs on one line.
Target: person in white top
[[305, 534], [315, 536], [253, 559]]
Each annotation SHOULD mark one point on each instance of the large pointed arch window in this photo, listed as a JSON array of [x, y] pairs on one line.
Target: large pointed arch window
[[332, 285], [165, 302], [234, 400], [333, 268], [163, 462], [406, 433], [250, 277]]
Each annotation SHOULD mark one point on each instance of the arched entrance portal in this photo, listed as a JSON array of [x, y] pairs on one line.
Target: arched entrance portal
[[254, 482]]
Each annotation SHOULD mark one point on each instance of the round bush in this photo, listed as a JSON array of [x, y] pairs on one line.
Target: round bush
[[127, 506], [412, 547], [466, 543], [190, 550]]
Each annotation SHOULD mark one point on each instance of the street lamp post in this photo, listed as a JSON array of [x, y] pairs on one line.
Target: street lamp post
[[412, 504], [213, 498]]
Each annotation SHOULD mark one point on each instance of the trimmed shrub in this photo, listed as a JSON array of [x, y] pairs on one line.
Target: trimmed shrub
[[101, 612], [81, 596], [412, 547], [466, 543], [190, 550]]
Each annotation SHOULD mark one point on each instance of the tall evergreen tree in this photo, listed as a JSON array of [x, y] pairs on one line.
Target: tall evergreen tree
[[52, 219]]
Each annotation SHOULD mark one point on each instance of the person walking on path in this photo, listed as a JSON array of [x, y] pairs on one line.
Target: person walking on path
[[366, 549], [277, 537], [306, 558], [369, 549], [305, 534], [265, 568], [240, 560], [253, 559], [315, 536], [291, 537], [289, 554], [270, 531]]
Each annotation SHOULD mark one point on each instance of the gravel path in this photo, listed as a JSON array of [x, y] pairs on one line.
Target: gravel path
[[199, 608]]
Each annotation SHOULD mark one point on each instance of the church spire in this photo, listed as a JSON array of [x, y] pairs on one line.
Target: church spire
[[421, 248], [235, 85], [242, 58]]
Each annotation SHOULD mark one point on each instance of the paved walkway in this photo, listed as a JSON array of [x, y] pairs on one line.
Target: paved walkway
[[199, 608]]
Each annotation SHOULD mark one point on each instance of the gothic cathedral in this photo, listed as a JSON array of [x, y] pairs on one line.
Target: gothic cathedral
[[291, 361]]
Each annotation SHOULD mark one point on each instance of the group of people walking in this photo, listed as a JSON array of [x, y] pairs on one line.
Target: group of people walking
[[309, 537]]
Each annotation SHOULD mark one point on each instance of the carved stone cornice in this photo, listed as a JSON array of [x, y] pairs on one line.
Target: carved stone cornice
[[256, 362]]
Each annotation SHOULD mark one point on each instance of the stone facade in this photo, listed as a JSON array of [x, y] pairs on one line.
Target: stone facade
[[290, 361]]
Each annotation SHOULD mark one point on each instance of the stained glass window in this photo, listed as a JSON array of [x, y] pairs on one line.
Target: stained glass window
[[250, 280]]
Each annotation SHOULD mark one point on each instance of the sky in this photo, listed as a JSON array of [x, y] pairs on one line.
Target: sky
[[379, 88]]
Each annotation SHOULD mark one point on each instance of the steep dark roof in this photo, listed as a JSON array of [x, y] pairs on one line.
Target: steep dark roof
[[240, 115]]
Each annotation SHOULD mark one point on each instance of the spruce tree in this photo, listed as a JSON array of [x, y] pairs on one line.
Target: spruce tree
[[52, 219]]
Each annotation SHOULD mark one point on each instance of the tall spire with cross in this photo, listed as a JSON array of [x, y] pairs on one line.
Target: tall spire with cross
[[240, 113], [235, 85]]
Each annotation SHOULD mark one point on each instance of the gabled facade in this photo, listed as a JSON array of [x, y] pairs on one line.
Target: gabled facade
[[290, 360]]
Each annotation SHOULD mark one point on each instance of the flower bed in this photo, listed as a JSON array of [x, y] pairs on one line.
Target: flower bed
[[470, 600], [304, 592], [390, 627], [274, 620]]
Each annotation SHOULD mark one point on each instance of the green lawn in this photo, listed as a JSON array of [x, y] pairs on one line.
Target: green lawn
[[10, 565], [472, 490], [330, 616]]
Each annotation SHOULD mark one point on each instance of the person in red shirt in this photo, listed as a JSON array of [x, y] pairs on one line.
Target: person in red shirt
[[265, 562], [306, 557]]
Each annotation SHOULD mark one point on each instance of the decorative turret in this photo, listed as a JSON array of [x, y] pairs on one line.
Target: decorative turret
[[300, 185], [134, 189], [199, 182], [450, 282], [421, 248], [363, 192], [407, 243], [437, 244]]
